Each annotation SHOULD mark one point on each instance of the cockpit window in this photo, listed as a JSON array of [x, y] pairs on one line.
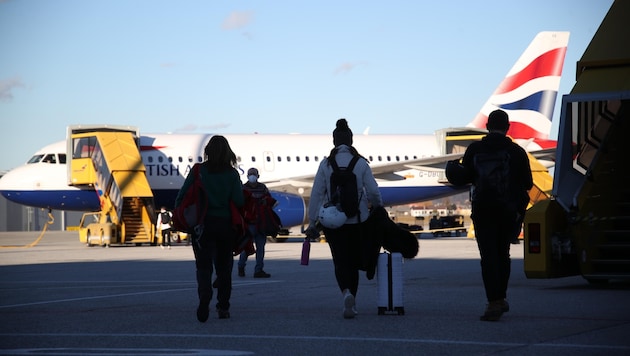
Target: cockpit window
[[35, 159], [62, 158], [50, 158]]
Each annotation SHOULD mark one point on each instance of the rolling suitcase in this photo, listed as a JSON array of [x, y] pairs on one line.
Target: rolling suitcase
[[390, 283]]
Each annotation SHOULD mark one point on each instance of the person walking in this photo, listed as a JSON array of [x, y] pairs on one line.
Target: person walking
[[344, 241], [213, 247], [164, 223], [257, 198], [501, 178]]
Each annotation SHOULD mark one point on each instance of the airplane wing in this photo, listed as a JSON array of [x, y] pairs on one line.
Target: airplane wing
[[388, 171], [384, 171]]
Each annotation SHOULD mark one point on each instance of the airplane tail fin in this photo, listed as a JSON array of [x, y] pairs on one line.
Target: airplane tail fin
[[528, 92]]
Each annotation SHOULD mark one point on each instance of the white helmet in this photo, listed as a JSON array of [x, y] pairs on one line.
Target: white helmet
[[331, 217]]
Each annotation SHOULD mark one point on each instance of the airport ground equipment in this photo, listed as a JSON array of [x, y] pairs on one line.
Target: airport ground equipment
[[107, 159], [584, 229], [445, 225]]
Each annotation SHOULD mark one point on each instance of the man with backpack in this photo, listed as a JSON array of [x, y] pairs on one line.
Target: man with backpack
[[339, 202], [501, 177], [164, 224]]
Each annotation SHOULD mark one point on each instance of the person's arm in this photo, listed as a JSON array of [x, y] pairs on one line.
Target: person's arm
[[318, 192], [237, 191], [184, 188]]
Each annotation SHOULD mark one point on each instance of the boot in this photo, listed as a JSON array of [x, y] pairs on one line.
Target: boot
[[494, 310]]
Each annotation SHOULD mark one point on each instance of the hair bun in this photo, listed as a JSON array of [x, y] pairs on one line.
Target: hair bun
[[342, 124]]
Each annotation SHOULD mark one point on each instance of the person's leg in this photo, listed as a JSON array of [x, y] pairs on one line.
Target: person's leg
[[242, 261], [167, 235], [345, 250], [260, 240], [493, 233], [204, 268], [224, 261]]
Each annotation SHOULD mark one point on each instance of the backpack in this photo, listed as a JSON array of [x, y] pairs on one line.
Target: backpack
[[165, 218], [492, 183], [189, 214], [343, 188]]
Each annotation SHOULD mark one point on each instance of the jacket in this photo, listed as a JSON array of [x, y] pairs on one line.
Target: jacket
[[366, 184], [222, 187], [520, 172], [381, 231]]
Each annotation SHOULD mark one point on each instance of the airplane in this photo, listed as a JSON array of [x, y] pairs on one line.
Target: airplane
[[408, 168]]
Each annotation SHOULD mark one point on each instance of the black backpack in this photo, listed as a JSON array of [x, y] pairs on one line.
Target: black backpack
[[492, 184], [343, 187], [166, 218]]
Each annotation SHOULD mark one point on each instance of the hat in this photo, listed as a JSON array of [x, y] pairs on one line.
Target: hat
[[252, 171], [342, 135], [498, 120]]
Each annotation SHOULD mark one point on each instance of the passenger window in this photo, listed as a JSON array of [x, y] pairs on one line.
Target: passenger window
[[268, 159], [253, 158], [160, 159], [150, 159], [288, 159], [297, 158], [190, 159]]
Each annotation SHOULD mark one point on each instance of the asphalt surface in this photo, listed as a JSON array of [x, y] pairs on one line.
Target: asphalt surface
[[63, 298]]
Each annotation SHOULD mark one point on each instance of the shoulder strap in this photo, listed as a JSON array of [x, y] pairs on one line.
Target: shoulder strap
[[350, 167], [353, 162], [333, 164]]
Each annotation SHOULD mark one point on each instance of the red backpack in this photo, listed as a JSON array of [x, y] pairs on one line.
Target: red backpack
[[190, 213]]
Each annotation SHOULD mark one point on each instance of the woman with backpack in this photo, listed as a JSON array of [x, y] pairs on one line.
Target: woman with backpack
[[342, 231], [213, 247]]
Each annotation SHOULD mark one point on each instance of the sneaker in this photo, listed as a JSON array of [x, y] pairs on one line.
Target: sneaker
[[505, 306], [349, 310], [202, 312], [494, 310], [223, 314], [261, 274], [162, 247], [169, 247], [241, 271]]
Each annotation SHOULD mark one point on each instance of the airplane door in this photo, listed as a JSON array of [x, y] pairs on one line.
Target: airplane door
[[268, 161]]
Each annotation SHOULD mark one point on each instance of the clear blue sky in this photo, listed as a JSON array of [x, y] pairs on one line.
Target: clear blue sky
[[264, 66]]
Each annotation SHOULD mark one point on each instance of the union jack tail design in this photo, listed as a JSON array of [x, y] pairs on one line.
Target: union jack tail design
[[528, 92]]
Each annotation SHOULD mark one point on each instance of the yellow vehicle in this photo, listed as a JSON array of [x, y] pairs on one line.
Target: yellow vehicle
[[107, 159]]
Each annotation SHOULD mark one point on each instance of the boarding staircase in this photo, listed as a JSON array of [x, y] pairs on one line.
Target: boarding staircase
[[112, 166], [601, 220]]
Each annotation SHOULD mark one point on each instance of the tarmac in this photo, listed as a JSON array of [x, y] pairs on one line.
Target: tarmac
[[61, 297]]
